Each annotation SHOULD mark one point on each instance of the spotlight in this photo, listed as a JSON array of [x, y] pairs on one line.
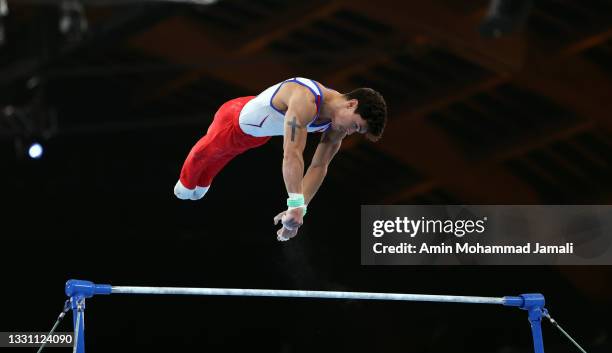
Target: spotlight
[[27, 147], [504, 17], [35, 151]]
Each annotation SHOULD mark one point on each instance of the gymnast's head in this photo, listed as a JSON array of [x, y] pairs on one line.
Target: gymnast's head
[[363, 111]]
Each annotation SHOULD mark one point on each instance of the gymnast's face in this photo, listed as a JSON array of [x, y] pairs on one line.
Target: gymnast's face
[[346, 120]]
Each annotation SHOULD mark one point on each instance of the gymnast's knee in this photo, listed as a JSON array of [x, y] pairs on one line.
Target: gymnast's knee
[[185, 193]]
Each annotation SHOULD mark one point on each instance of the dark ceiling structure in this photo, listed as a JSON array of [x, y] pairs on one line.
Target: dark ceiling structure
[[529, 110]]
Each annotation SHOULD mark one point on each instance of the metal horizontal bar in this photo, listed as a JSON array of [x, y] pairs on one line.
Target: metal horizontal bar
[[305, 294]]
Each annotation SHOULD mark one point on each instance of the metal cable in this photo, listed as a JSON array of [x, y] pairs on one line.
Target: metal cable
[[59, 318], [555, 324]]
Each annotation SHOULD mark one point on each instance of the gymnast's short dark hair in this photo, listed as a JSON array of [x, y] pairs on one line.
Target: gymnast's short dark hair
[[372, 108]]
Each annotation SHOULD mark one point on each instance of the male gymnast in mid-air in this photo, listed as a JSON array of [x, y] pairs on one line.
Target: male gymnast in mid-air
[[292, 108]]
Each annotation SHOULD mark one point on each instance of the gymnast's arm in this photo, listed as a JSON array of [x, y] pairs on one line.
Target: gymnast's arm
[[300, 110], [325, 152]]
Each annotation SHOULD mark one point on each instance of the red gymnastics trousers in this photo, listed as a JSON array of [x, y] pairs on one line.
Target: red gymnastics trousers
[[223, 141]]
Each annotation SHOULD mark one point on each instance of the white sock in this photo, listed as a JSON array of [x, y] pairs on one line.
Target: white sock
[[184, 193]]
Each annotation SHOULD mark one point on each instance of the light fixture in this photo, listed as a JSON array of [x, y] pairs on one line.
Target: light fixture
[[36, 150]]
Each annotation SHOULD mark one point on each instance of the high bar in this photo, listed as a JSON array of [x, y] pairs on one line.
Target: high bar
[[304, 294]]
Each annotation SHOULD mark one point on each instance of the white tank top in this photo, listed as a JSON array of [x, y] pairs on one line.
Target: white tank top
[[260, 118]]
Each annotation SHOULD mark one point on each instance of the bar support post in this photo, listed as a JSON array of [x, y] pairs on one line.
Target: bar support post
[[78, 291], [533, 303]]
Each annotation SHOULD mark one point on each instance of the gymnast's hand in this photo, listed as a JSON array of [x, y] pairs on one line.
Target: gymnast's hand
[[293, 218], [285, 233]]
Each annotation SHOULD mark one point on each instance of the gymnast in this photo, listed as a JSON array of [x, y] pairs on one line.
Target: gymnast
[[292, 109]]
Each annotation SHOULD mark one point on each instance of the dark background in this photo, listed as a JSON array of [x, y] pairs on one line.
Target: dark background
[[519, 119]]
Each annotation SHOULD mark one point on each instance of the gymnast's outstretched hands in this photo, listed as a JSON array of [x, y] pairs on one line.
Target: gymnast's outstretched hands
[[285, 234], [292, 220]]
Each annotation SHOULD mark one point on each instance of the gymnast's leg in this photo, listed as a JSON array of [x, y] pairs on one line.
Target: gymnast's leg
[[223, 141], [204, 162]]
